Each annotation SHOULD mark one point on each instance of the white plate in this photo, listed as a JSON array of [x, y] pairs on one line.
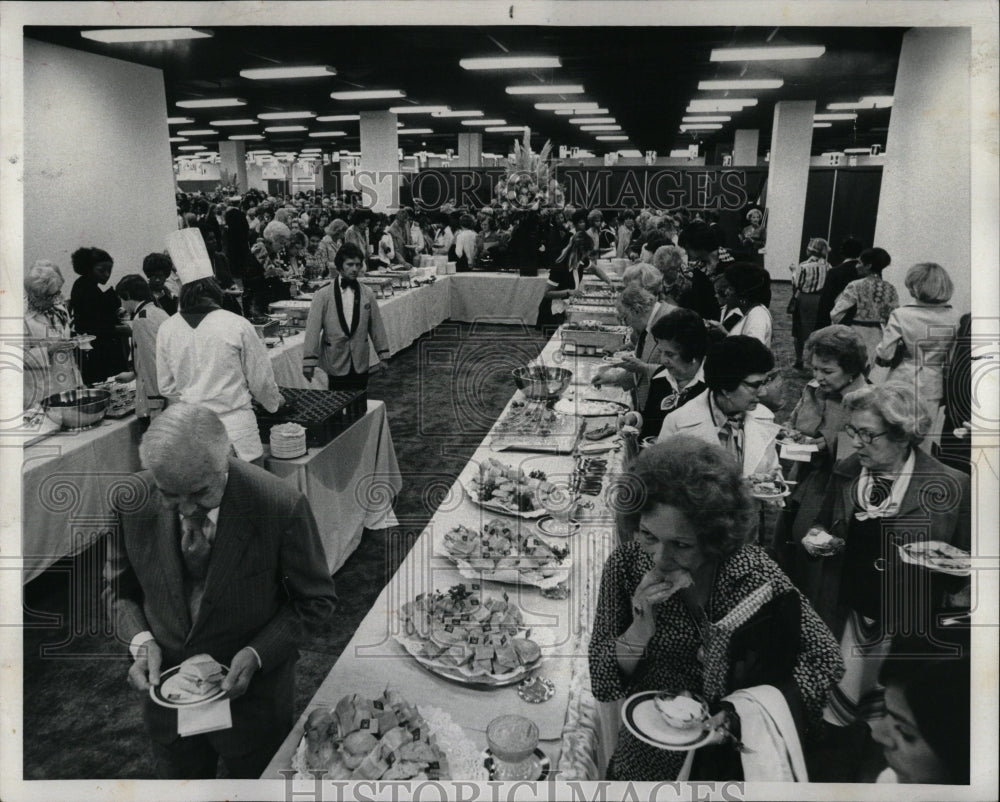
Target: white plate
[[494, 506], [463, 675], [947, 560], [590, 409], [643, 720], [550, 527], [158, 693]]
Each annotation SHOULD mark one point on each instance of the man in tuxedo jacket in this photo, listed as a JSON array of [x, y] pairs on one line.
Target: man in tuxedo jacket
[[214, 556], [342, 317]]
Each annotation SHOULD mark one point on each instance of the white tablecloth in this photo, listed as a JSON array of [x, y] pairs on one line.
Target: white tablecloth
[[496, 297], [350, 483], [372, 659]]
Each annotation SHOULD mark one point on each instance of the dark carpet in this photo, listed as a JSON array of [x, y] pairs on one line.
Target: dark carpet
[[81, 719]]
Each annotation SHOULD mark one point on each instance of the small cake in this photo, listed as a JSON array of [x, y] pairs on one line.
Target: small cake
[[288, 440], [682, 711]]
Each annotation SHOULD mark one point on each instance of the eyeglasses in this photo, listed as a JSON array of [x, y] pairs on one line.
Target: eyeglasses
[[863, 435], [770, 377]]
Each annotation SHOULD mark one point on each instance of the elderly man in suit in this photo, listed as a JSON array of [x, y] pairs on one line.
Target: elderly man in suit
[[215, 556], [342, 317], [737, 371]]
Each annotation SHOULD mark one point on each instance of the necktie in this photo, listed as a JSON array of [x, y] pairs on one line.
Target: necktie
[[346, 283], [640, 344], [195, 546], [880, 490]]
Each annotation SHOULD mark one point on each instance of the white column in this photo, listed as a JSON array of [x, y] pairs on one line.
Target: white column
[[470, 150], [791, 143], [234, 160], [379, 175], [745, 146], [924, 203]]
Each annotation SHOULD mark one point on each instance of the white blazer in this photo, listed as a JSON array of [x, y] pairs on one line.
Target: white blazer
[[759, 432]]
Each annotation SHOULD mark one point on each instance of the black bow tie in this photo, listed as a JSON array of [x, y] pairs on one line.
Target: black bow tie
[[348, 282]]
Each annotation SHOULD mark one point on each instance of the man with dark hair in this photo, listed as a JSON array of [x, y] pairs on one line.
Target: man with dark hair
[[837, 278], [158, 268], [342, 317], [215, 557], [737, 371]]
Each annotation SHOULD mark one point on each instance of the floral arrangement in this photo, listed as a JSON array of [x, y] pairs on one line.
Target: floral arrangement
[[526, 181]]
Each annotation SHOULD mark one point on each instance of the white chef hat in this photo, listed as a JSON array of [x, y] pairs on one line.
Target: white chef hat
[[190, 256]]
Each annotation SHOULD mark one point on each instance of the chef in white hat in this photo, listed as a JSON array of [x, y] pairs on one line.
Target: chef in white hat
[[211, 357]]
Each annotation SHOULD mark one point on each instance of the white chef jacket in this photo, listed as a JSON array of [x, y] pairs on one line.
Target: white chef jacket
[[221, 364]]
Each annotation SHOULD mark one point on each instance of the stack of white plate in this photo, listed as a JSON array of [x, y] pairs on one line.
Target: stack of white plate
[[288, 440]]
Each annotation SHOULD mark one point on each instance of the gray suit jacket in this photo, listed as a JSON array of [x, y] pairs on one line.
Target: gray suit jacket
[[329, 346]]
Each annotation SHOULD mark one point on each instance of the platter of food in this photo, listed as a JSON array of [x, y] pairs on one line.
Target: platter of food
[[196, 681], [386, 738], [936, 555], [588, 408], [502, 551], [534, 427], [502, 488], [461, 636], [768, 486]]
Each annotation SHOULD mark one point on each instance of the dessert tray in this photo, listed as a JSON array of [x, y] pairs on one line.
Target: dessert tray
[[502, 488]]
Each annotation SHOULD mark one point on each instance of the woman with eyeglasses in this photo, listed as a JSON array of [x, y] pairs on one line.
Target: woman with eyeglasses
[[888, 493], [737, 372]]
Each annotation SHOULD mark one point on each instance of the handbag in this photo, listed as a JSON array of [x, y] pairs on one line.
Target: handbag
[[793, 303]]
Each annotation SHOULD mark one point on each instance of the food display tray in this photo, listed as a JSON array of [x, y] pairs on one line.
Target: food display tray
[[561, 438], [323, 413]]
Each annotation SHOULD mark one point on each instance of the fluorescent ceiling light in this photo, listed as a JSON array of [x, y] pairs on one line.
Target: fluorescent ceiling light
[[837, 116], [866, 151], [591, 120], [415, 131], [484, 122], [469, 113], [197, 132], [871, 102], [612, 138], [368, 94], [702, 127], [247, 136], [317, 134], [546, 89], [217, 103], [505, 129], [178, 139], [581, 106], [179, 120], [312, 150], [223, 123], [510, 63], [416, 109], [258, 152], [630, 154], [191, 147], [600, 128], [117, 35], [273, 73], [766, 53], [286, 115], [747, 83], [273, 129], [822, 125], [339, 118], [579, 110], [721, 104], [723, 118]]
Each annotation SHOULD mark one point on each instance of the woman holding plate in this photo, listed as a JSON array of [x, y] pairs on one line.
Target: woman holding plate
[[50, 354], [691, 605], [887, 494]]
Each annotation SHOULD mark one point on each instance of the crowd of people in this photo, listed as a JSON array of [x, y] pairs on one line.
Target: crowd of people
[[711, 590], [808, 588]]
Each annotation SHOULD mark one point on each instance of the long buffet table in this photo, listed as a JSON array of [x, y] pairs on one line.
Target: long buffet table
[[569, 723]]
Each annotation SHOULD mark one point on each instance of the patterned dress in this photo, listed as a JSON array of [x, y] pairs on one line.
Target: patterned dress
[[671, 659], [865, 305]]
